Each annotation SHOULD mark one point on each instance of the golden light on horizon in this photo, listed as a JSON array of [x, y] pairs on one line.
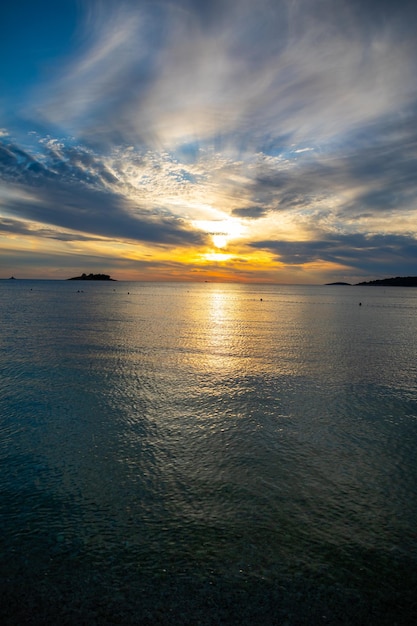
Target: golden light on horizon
[[217, 256]]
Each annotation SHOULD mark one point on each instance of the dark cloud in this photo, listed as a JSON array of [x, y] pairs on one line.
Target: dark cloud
[[19, 227], [251, 212], [373, 254]]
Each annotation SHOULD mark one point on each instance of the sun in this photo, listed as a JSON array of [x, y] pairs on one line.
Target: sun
[[220, 241]]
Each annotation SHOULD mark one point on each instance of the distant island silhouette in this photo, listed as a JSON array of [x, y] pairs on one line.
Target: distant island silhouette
[[398, 281], [92, 277], [338, 283]]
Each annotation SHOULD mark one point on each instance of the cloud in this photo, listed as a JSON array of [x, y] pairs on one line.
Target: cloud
[[374, 254], [372, 180], [20, 227], [72, 190], [252, 212], [167, 73], [295, 118]]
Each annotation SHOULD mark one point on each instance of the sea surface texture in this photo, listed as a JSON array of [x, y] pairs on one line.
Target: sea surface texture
[[207, 454]]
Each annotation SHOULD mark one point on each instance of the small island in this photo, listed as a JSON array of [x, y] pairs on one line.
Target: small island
[[338, 283], [92, 277]]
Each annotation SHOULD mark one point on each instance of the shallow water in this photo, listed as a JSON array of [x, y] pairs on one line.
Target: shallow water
[[207, 454]]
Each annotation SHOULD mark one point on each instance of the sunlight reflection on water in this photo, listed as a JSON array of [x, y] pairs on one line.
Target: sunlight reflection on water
[[209, 433]]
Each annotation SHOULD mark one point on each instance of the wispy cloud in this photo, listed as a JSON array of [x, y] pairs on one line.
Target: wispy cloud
[[71, 189], [159, 73]]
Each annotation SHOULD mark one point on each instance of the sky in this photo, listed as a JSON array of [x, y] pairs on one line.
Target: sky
[[225, 140]]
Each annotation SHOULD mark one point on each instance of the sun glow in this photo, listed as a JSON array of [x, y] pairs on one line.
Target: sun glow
[[222, 231]]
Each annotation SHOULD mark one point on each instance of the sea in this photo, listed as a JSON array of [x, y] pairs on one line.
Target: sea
[[207, 454]]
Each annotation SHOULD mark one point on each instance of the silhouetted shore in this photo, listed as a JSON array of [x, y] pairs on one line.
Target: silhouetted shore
[[399, 281]]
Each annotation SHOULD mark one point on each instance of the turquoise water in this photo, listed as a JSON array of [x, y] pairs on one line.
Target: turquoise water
[[207, 454]]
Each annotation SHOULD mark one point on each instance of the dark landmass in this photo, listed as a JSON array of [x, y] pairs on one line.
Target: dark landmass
[[328, 284], [92, 277], [399, 281]]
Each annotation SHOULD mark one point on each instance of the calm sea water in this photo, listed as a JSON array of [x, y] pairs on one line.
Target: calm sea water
[[207, 454]]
